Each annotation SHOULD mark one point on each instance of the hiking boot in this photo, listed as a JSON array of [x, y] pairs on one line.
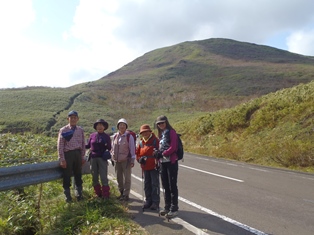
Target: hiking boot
[[79, 193], [164, 212], [172, 214], [146, 205], [121, 195], [79, 198], [97, 190], [124, 198], [154, 206], [68, 200], [105, 191], [67, 194]]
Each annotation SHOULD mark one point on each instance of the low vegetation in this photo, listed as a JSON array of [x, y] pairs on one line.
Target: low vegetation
[[274, 130], [41, 209]]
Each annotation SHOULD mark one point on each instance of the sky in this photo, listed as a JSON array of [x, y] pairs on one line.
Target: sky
[[60, 43]]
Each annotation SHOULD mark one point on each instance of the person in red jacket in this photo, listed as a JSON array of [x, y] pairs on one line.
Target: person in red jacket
[[145, 156]]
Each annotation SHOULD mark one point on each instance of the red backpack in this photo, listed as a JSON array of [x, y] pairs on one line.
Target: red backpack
[[128, 133]]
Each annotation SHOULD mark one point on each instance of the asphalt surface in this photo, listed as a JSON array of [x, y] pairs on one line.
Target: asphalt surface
[[227, 197]]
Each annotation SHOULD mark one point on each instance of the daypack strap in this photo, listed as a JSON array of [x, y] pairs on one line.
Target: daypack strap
[[154, 144]]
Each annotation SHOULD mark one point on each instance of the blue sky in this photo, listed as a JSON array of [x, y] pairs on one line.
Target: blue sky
[[59, 43]]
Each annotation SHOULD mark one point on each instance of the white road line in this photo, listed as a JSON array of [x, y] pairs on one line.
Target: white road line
[[307, 200], [208, 211], [177, 220], [258, 169], [210, 173], [225, 218], [188, 226]]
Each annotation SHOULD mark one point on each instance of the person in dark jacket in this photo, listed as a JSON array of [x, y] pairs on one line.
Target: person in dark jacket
[[99, 144], [145, 156], [168, 145]]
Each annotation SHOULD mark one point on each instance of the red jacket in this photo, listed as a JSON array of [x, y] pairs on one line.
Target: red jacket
[[146, 149]]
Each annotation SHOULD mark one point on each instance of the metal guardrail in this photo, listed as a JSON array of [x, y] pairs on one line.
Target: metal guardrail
[[25, 175]]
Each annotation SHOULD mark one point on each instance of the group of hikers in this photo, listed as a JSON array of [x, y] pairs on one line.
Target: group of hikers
[[155, 154]]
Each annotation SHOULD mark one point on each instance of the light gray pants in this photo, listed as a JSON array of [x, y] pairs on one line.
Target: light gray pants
[[99, 168], [123, 171]]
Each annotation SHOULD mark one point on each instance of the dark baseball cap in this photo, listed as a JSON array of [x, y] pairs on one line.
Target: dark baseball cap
[[72, 113], [161, 119]]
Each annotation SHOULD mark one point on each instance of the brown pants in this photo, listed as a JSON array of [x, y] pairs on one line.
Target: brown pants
[[123, 171]]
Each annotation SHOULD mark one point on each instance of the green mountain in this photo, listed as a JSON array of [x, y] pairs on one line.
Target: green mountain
[[181, 81]]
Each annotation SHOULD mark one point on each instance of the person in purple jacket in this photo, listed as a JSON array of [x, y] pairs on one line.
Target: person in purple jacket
[[167, 154], [99, 144]]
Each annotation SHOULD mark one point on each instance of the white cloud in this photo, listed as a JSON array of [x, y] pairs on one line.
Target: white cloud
[[15, 17], [301, 42], [105, 35]]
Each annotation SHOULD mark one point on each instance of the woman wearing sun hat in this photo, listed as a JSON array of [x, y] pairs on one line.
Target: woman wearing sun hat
[[99, 144], [145, 156]]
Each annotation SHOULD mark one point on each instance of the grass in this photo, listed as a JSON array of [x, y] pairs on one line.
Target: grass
[[41, 209], [273, 130]]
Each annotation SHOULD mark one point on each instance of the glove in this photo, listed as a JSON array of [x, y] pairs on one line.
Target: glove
[[157, 154], [142, 160]]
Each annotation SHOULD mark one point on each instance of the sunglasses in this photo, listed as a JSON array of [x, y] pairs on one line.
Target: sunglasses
[[160, 123]]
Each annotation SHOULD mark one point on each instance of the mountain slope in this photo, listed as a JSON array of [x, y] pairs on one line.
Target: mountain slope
[[276, 129], [180, 81]]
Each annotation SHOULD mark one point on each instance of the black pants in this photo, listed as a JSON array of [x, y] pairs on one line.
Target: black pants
[[151, 182], [169, 178], [73, 159]]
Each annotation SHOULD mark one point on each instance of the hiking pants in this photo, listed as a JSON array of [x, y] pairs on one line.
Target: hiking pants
[[169, 177], [73, 159], [123, 171], [99, 168], [151, 186]]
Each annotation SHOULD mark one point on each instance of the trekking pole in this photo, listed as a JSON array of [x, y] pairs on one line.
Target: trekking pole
[[163, 189], [143, 189]]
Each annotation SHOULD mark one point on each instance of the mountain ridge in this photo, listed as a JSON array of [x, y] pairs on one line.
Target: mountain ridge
[[187, 78]]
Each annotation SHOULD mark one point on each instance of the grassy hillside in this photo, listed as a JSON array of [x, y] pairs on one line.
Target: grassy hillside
[[181, 81], [33, 109], [274, 130]]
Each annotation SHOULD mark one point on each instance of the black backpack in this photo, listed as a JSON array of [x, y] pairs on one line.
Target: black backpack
[[180, 151]]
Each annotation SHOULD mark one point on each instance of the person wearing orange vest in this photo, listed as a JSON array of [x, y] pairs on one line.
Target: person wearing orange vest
[[149, 164]]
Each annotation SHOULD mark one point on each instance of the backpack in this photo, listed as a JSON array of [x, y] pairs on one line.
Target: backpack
[[180, 151], [128, 133]]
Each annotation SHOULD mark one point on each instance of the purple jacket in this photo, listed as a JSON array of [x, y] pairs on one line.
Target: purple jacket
[[98, 143], [173, 147]]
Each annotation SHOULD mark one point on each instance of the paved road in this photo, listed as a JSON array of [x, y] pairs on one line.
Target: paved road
[[227, 197]]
